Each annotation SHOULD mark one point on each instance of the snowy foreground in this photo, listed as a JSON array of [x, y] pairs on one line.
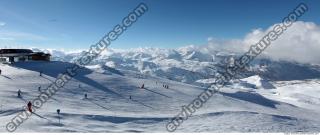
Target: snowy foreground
[[287, 106]]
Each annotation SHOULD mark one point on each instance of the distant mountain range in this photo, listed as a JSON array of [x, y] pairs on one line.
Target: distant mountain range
[[191, 64]]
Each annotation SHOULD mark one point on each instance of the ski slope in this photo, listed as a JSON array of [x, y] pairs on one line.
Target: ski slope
[[292, 106]]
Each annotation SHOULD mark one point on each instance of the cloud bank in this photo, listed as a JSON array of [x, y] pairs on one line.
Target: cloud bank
[[299, 43]]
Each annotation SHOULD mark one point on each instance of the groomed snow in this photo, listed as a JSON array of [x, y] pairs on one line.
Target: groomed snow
[[292, 106]]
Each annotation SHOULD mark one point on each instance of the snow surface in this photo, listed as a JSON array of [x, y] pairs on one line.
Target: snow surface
[[291, 106]]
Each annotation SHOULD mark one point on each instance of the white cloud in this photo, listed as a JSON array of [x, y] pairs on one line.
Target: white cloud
[[2, 23], [300, 43]]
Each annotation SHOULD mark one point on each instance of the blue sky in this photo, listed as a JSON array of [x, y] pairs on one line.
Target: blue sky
[[76, 24]]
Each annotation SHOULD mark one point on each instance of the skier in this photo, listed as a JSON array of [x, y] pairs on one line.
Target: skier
[[85, 96], [39, 88], [142, 87], [40, 73], [19, 93], [30, 106], [0, 71], [130, 97], [58, 112]]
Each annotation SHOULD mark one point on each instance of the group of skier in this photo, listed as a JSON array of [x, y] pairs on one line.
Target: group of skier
[[29, 104], [165, 86]]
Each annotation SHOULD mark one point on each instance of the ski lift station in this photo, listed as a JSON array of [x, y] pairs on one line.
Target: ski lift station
[[16, 55]]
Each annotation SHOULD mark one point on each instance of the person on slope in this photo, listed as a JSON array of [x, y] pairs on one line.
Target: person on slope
[[19, 93], [29, 106], [142, 87]]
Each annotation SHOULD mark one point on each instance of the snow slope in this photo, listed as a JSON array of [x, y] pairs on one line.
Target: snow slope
[[290, 107]]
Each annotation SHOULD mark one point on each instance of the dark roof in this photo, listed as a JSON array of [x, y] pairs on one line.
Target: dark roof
[[8, 51], [40, 54]]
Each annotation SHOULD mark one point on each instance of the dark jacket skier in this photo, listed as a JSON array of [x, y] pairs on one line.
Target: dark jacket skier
[[30, 107], [19, 93]]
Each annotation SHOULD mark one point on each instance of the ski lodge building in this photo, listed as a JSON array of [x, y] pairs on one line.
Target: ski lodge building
[[16, 55]]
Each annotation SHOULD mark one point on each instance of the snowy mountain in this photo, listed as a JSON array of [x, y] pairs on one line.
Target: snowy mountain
[[292, 106], [269, 96], [192, 64]]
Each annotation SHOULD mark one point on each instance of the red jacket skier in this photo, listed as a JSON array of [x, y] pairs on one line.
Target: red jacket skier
[[30, 107]]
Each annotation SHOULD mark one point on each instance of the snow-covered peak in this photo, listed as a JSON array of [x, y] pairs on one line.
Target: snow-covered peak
[[190, 64]]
